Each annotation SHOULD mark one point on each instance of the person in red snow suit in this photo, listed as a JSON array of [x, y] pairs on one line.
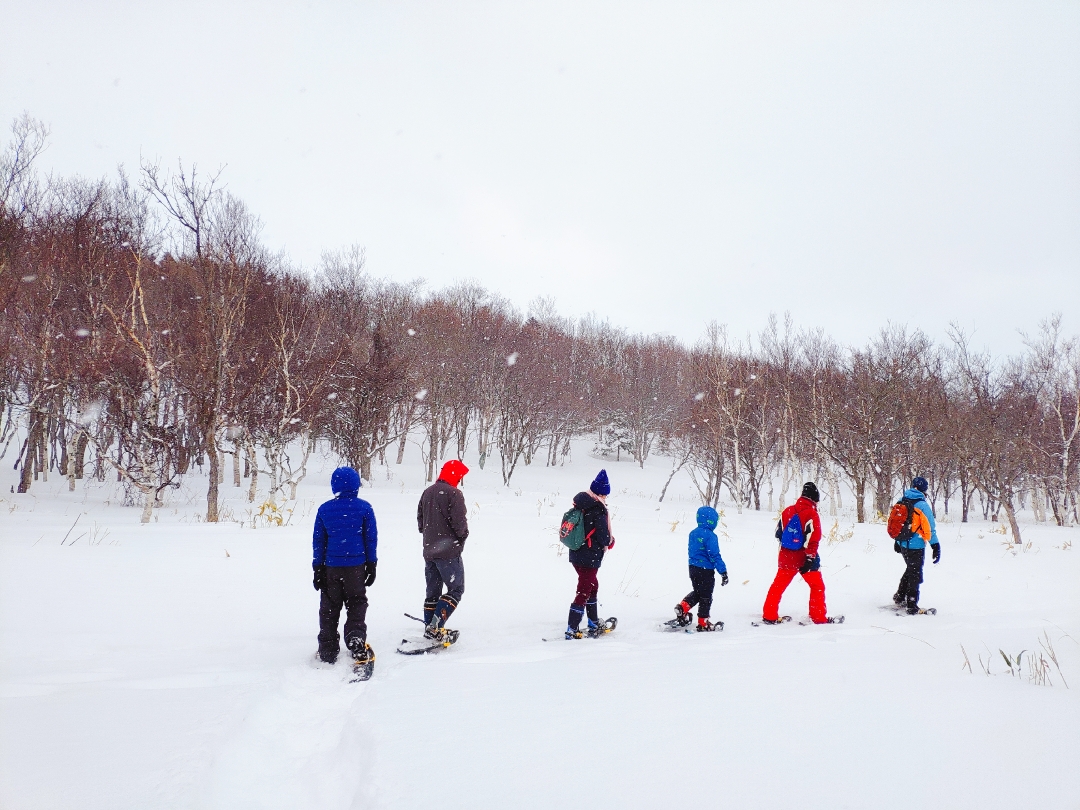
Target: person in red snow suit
[[803, 560]]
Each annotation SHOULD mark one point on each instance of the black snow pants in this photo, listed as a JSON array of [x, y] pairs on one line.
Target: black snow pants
[[344, 586], [703, 580], [908, 591], [437, 574]]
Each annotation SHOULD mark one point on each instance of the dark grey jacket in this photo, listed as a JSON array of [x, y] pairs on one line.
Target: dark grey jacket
[[440, 516]]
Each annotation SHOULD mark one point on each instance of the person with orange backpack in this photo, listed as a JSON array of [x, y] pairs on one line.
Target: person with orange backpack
[[911, 525], [799, 532]]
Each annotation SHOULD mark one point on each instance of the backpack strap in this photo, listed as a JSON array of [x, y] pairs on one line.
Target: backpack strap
[[905, 532]]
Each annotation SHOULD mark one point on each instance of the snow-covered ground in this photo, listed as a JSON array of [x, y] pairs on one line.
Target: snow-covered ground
[[169, 665]]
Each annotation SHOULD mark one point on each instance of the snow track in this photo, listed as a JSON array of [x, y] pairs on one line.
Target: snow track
[[302, 746]]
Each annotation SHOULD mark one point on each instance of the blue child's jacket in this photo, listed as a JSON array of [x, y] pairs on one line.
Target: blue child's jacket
[[704, 548], [345, 532]]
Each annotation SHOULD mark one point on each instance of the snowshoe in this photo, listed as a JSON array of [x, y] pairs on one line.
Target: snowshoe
[[363, 660], [780, 620], [602, 628], [571, 634], [709, 627], [426, 644], [920, 612], [674, 625], [829, 620], [683, 616]]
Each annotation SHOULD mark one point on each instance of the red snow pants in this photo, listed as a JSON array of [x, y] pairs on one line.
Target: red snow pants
[[771, 611]]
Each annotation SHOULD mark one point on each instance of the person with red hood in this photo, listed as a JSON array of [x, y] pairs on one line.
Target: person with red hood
[[799, 532], [440, 517]]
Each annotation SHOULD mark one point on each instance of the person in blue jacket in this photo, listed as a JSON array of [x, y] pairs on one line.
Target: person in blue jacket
[[705, 559], [912, 545], [343, 558]]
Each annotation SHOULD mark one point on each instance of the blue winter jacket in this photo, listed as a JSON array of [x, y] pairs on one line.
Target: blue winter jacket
[[704, 548], [345, 532], [923, 506]]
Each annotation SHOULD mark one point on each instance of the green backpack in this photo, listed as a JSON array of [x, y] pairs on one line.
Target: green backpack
[[572, 529]]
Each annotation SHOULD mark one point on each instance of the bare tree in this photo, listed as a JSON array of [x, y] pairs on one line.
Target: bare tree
[[1054, 362], [223, 259]]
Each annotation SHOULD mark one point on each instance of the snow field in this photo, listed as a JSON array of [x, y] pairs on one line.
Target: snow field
[[142, 667]]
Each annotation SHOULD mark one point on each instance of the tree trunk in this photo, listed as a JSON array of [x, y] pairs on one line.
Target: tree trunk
[[148, 505], [26, 474], [252, 462], [71, 472], [882, 494], [1010, 512], [80, 453], [860, 499], [212, 489], [433, 444]]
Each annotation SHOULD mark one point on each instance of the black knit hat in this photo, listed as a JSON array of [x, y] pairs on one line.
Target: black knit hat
[[809, 490]]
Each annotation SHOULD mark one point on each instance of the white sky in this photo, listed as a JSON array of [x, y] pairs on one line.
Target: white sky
[[661, 164]]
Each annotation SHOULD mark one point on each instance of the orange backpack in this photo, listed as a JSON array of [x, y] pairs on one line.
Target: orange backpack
[[900, 518]]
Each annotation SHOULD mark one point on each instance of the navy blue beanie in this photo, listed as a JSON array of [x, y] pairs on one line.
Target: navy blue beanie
[[920, 483], [345, 479], [600, 484]]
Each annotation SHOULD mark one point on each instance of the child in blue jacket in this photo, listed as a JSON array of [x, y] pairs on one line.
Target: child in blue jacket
[[704, 550], [344, 559]]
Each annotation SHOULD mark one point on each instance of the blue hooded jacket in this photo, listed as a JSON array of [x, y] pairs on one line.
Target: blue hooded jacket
[[921, 504], [704, 548], [345, 532]]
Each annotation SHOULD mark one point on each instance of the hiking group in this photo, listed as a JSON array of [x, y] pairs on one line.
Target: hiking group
[[345, 540]]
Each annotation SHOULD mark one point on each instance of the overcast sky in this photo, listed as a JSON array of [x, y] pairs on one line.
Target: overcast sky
[[661, 164]]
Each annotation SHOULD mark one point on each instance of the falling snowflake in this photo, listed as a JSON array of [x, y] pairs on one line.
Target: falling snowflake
[[700, 395], [421, 394], [511, 359]]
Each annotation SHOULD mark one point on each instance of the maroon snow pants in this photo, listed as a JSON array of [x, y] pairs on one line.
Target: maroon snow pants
[[586, 585]]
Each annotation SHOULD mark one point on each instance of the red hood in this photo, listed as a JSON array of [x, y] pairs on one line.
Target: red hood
[[452, 472]]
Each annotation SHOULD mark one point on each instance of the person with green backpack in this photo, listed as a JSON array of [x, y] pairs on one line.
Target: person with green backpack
[[586, 531]]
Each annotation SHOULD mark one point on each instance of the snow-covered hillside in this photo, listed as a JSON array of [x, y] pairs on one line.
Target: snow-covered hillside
[[169, 665]]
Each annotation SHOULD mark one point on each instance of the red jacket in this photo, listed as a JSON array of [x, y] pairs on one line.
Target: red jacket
[[792, 559]]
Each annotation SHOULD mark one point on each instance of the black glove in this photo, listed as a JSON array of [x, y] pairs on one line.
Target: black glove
[[369, 574], [810, 564], [724, 578], [896, 547], [320, 576], [937, 552]]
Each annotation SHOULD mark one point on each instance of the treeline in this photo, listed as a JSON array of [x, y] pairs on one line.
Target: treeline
[[147, 329]]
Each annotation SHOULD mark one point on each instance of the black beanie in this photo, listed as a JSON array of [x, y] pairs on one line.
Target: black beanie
[[809, 490]]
